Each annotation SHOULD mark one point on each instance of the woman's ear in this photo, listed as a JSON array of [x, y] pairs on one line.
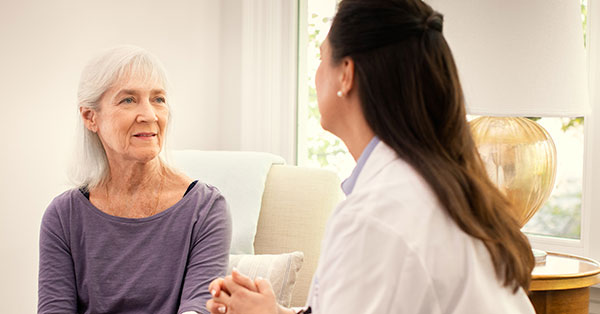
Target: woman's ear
[[347, 75], [89, 118]]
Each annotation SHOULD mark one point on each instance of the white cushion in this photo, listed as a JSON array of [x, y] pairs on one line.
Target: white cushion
[[240, 177], [280, 269]]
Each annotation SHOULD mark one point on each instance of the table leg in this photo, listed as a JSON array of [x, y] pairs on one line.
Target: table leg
[[572, 301]]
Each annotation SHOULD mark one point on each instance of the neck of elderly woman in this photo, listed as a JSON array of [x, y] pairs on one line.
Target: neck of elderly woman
[[132, 175]]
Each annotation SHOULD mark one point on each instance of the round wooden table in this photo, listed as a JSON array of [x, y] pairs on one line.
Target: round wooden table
[[562, 284]]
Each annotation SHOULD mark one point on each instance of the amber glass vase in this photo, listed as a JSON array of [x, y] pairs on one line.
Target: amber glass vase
[[520, 158]]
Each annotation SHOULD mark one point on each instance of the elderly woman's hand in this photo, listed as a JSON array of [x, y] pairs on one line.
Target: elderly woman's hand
[[217, 288], [238, 294]]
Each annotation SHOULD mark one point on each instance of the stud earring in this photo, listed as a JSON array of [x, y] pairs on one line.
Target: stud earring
[[340, 94]]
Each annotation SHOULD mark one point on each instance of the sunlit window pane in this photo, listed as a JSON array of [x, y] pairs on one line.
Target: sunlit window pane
[[561, 214], [322, 149]]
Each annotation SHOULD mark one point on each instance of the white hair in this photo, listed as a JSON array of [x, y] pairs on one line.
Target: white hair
[[91, 164]]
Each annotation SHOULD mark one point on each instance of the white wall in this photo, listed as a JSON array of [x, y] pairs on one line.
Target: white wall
[[230, 64], [43, 47]]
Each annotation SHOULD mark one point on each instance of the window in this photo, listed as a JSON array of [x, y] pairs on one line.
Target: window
[[562, 224], [317, 147], [560, 216]]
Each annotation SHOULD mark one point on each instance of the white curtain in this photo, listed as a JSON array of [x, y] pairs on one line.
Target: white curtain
[[269, 77]]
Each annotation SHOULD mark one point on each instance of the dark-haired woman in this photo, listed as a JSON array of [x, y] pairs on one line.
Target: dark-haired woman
[[422, 230]]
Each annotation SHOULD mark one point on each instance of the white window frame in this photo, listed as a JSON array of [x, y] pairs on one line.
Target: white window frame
[[302, 111], [591, 219]]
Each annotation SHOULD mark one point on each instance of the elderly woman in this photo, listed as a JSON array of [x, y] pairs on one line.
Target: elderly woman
[[135, 236]]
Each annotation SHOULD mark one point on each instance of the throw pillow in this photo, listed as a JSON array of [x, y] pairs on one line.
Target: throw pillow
[[280, 269]]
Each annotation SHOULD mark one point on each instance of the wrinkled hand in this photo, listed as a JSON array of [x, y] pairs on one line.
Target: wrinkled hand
[[238, 294]]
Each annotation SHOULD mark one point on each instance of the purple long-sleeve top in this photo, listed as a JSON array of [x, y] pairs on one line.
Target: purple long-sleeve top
[[92, 262]]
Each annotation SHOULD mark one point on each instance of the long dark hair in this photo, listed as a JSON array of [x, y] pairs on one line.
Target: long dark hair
[[411, 98]]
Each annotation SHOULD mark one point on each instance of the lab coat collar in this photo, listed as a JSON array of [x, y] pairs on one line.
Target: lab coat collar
[[350, 182], [381, 156]]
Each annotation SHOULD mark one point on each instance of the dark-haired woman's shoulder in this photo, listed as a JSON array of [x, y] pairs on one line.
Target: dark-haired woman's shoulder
[[449, 265]]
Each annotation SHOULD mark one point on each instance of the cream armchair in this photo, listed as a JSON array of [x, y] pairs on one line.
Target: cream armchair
[[296, 204]]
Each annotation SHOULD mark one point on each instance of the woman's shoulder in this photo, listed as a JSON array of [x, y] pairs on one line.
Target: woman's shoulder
[[58, 212], [209, 207], [65, 200], [206, 198], [385, 171], [183, 189], [395, 186], [203, 189], [193, 186], [399, 200]]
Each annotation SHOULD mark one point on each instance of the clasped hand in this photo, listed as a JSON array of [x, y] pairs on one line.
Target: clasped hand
[[238, 294]]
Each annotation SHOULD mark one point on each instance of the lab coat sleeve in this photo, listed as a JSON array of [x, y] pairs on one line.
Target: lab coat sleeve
[[370, 269]]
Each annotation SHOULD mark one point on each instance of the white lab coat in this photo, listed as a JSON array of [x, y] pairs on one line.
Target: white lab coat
[[391, 248]]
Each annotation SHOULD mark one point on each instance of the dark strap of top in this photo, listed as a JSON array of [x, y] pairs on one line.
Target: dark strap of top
[[86, 193], [190, 187]]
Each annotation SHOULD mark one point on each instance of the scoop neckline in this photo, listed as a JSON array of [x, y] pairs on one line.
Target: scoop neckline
[[101, 213]]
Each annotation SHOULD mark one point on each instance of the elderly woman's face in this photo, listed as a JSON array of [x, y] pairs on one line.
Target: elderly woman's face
[[132, 119]]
